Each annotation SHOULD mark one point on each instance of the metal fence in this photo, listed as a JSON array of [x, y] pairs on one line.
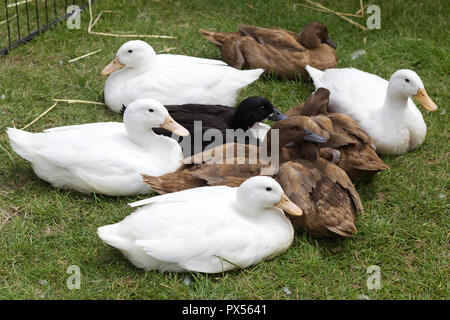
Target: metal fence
[[22, 20]]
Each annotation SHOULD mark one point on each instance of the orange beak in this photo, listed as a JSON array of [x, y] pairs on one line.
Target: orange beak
[[174, 127], [112, 66], [425, 100], [288, 206]]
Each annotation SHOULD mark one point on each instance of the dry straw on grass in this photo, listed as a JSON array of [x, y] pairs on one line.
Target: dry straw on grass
[[93, 23], [56, 103], [344, 15], [84, 56]]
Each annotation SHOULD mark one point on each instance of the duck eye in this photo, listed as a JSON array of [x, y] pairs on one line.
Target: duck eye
[[130, 51], [406, 80], [269, 189], [150, 110]]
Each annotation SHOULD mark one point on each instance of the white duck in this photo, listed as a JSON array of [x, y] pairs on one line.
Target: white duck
[[384, 109], [105, 157], [208, 229], [171, 79]]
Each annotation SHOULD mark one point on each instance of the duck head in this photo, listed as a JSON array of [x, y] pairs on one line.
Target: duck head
[[259, 193], [317, 103], [299, 128], [136, 54], [144, 114], [314, 34], [406, 83], [253, 110]]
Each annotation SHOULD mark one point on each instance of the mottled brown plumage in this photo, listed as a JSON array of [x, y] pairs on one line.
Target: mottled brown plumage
[[323, 191], [202, 169], [276, 50], [356, 156], [235, 167]]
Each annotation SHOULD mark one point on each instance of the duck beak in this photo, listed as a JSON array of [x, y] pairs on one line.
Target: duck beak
[[330, 43], [425, 100], [288, 206], [277, 116], [112, 66], [174, 127], [313, 137]]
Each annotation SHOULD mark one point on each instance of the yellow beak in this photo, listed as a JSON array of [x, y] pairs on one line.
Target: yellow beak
[[425, 100], [112, 66], [288, 206], [174, 127]]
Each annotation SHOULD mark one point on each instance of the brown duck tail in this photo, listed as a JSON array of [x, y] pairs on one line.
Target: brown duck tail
[[346, 229], [215, 37], [156, 183], [370, 160]]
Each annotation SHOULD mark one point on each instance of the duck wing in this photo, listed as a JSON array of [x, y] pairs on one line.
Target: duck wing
[[202, 240], [206, 242], [211, 116], [219, 38], [202, 84], [352, 91], [337, 175], [177, 59], [275, 37], [226, 164], [326, 196], [92, 127]]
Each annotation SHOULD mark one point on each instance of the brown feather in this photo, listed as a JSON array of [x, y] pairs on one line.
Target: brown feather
[[322, 190], [325, 194], [276, 50], [357, 153]]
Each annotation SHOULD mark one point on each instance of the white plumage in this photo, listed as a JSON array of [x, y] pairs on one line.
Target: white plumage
[[105, 157], [207, 229], [171, 79], [384, 109]]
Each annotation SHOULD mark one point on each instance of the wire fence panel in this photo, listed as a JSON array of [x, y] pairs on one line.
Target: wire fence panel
[[22, 20]]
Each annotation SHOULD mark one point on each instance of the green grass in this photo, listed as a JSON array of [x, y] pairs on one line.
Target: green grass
[[404, 230]]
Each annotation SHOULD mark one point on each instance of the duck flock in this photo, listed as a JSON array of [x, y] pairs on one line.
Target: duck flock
[[231, 200]]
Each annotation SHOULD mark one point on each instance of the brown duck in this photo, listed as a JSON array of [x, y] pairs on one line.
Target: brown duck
[[203, 168], [323, 190], [349, 146], [276, 50]]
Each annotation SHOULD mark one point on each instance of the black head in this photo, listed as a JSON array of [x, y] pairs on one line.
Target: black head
[[255, 109], [315, 33]]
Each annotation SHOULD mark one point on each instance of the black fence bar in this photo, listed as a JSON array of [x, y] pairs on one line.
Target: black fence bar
[[54, 8], [37, 13], [46, 11], [7, 22], [28, 16], [17, 17], [34, 26]]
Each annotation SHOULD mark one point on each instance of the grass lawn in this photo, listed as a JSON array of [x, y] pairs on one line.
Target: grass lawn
[[405, 230]]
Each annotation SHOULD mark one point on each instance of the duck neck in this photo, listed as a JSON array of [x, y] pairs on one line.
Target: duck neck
[[133, 71], [274, 140], [307, 150], [141, 134], [394, 101], [249, 210]]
